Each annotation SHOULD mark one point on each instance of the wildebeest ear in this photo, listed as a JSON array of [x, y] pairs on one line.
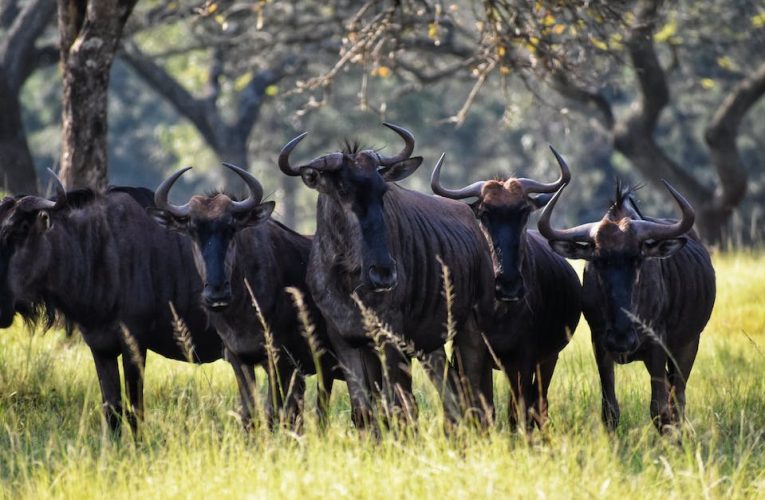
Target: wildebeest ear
[[573, 249], [541, 200], [401, 170], [259, 214], [43, 220], [168, 220], [663, 248]]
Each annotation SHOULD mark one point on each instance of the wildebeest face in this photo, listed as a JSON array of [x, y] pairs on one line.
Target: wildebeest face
[[23, 250], [503, 208], [359, 185], [357, 180], [212, 223], [617, 248]]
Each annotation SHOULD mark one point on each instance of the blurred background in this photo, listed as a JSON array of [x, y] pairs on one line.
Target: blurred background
[[641, 90]]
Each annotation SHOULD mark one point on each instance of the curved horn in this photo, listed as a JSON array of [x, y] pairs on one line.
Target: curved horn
[[578, 233], [256, 190], [532, 186], [405, 153], [284, 156], [455, 194], [60, 190], [160, 196], [648, 230]]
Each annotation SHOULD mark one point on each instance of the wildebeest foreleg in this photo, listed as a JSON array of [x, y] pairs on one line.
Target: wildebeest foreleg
[[610, 406], [471, 362], [656, 364], [109, 380], [542, 377], [133, 364], [286, 395], [352, 362], [679, 371], [245, 381], [522, 393], [398, 385]]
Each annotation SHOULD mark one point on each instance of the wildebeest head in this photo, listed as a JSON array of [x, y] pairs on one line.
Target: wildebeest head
[[357, 180], [503, 208], [24, 221], [617, 247], [212, 223]]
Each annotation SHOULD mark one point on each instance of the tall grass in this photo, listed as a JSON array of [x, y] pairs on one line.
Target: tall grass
[[51, 442]]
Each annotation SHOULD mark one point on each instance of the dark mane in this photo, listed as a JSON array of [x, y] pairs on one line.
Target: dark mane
[[350, 147], [212, 193], [622, 195], [79, 198], [142, 196]]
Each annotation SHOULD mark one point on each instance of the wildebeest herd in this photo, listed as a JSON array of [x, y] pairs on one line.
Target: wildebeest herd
[[391, 274]]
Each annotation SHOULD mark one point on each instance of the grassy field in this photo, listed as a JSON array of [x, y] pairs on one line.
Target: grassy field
[[51, 440]]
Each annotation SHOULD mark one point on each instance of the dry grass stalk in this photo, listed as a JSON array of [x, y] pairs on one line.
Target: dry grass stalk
[[182, 335]]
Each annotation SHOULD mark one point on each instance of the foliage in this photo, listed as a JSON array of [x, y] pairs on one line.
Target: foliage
[[51, 442]]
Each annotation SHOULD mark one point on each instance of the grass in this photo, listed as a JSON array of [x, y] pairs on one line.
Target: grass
[[52, 444]]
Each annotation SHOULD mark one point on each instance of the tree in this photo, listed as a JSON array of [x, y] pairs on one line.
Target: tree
[[19, 57], [89, 34]]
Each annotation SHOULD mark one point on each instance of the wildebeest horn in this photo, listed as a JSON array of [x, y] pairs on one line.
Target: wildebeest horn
[[256, 190], [284, 156], [578, 233], [386, 161], [648, 230], [455, 194], [532, 186], [160, 196], [59, 186]]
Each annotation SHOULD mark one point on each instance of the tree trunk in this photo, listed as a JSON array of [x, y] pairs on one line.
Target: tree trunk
[[89, 34], [18, 172]]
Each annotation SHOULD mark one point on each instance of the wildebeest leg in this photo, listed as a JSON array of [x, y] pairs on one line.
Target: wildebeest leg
[[678, 378], [542, 377], [109, 379], [521, 381], [435, 365], [133, 364], [351, 361], [245, 381], [398, 386], [324, 395], [471, 361], [610, 412], [289, 396], [656, 364]]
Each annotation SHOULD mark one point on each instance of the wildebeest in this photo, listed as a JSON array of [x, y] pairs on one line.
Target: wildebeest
[[93, 258], [237, 244], [648, 292], [382, 243], [537, 292]]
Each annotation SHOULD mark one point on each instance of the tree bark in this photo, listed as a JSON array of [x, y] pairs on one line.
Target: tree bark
[[89, 34], [633, 134], [18, 57]]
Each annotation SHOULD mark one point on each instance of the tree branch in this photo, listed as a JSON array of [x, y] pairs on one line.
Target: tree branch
[[19, 42], [721, 136], [195, 110]]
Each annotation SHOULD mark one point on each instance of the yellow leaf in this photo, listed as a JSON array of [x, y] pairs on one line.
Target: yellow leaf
[[212, 8], [220, 19], [382, 72], [432, 31], [505, 70], [272, 90], [548, 20], [726, 62], [600, 44], [241, 82], [559, 28], [666, 31], [501, 51], [758, 21], [708, 83]]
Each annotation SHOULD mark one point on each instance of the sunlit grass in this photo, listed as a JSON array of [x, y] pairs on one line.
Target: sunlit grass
[[52, 444]]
